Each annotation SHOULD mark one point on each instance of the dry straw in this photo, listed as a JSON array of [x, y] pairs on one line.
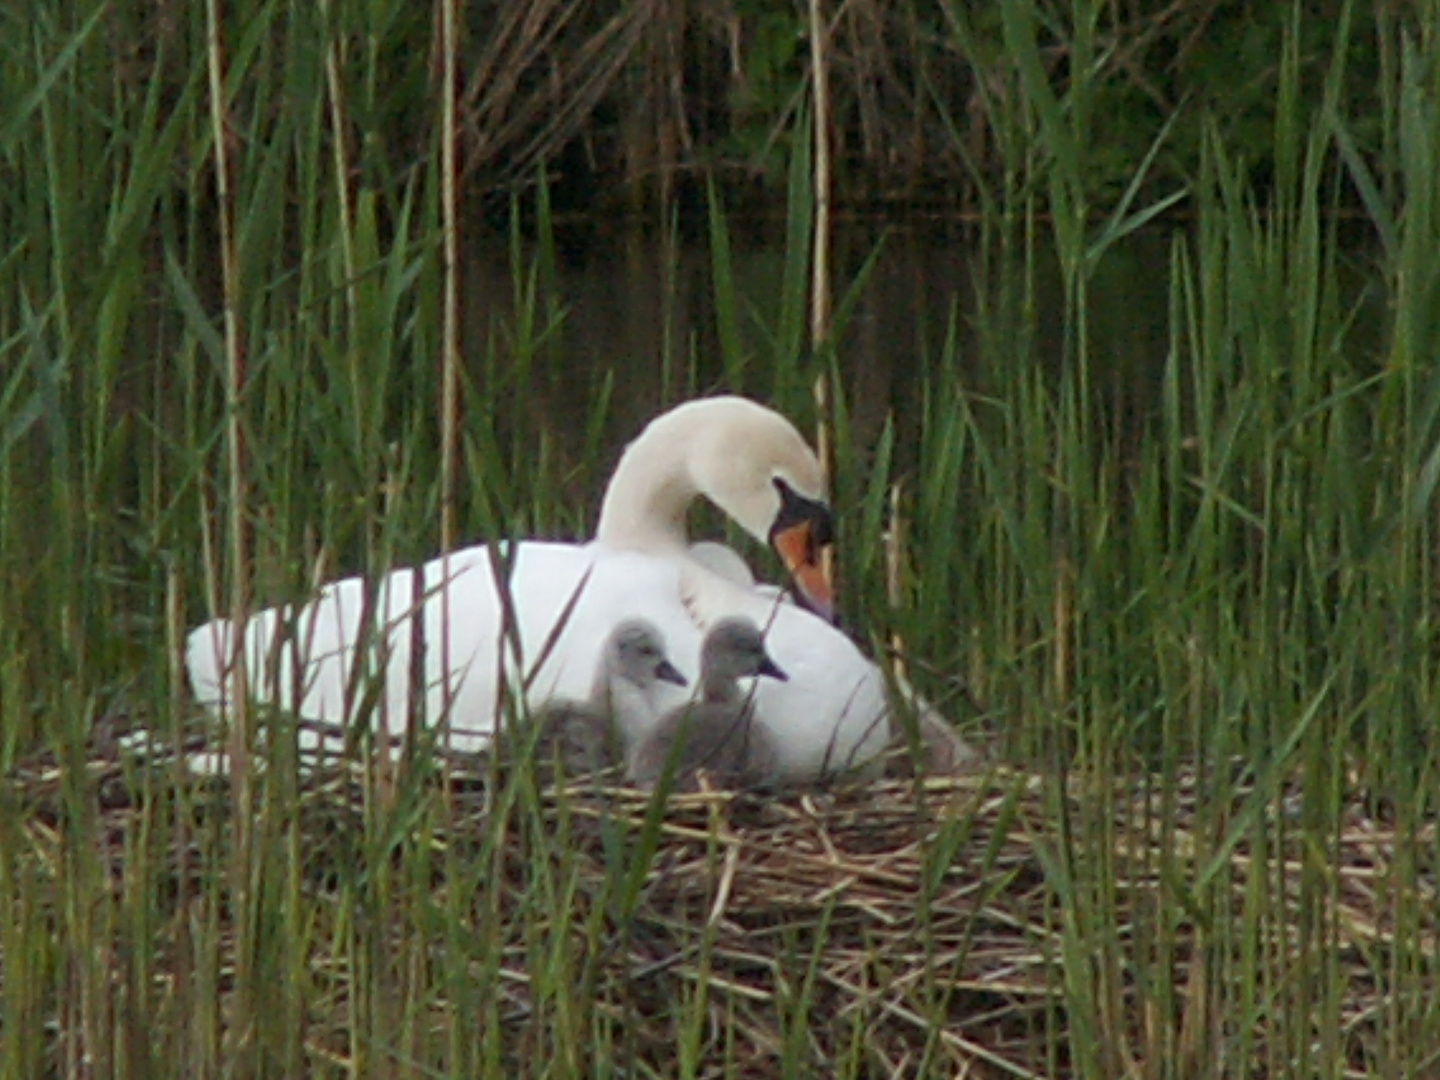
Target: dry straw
[[915, 915]]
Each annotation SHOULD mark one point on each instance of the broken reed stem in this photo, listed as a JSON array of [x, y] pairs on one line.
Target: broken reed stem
[[894, 584], [235, 378], [824, 450]]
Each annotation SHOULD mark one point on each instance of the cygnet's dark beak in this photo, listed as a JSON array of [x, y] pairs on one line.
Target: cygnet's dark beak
[[802, 530], [769, 667], [668, 672]]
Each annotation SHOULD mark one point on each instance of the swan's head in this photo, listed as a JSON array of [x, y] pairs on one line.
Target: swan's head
[[754, 465], [746, 459]]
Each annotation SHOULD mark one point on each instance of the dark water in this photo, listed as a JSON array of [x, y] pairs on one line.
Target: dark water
[[646, 310]]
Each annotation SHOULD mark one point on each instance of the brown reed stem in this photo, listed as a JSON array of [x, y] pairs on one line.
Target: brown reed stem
[[894, 579], [450, 211], [820, 262], [820, 258], [341, 151], [450, 29], [175, 649], [242, 1021]]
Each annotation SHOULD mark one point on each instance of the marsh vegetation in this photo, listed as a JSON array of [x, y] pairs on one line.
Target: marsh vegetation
[[1190, 607]]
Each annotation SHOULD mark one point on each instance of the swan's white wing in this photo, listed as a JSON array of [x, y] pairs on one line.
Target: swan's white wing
[[828, 716], [306, 660], [832, 713]]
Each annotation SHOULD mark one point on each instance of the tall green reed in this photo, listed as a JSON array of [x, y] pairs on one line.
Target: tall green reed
[[1220, 605], [1204, 599]]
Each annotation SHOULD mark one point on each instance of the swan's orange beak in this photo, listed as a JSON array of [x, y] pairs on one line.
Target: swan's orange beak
[[800, 547]]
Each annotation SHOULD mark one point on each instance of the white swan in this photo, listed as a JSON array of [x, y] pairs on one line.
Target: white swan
[[565, 600]]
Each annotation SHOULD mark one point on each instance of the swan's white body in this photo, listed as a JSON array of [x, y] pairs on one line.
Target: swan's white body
[[566, 601]]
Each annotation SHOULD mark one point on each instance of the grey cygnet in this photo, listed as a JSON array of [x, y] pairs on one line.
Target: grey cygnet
[[587, 735], [718, 732]]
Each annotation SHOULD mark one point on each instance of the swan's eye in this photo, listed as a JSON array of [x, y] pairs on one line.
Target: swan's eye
[[797, 510]]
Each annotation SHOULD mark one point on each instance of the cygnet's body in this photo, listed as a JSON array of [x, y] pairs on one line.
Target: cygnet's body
[[719, 732], [590, 735]]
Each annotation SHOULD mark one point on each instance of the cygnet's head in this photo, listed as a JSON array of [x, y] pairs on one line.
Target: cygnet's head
[[635, 652], [735, 649]]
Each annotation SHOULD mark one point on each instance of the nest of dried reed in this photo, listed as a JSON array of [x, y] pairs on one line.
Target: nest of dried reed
[[940, 926]]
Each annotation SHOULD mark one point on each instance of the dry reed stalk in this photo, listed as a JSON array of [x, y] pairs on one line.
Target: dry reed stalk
[[451, 358], [820, 259], [894, 580], [825, 451], [820, 312], [340, 147], [175, 624], [450, 209], [238, 711], [539, 76]]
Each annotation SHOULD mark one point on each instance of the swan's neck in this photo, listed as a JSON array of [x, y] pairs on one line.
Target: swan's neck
[[645, 504]]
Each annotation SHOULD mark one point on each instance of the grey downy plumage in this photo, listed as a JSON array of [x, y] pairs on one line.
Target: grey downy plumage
[[718, 732], [586, 735]]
